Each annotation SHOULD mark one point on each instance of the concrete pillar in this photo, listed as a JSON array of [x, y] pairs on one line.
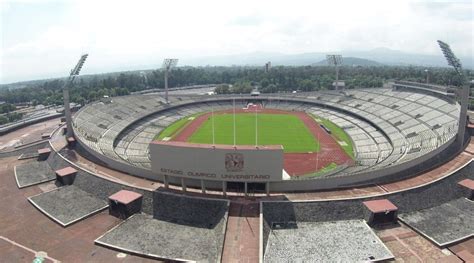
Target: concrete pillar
[[166, 181], [71, 142], [124, 204], [246, 189], [66, 176], [67, 111], [224, 188], [267, 188], [467, 187], [183, 184], [464, 97], [380, 211], [203, 187], [43, 154], [166, 86]]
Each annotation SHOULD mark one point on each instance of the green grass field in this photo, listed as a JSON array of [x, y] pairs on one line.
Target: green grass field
[[339, 134], [321, 171], [273, 129]]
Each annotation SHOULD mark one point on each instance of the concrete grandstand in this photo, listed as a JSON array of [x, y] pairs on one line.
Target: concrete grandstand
[[392, 130]]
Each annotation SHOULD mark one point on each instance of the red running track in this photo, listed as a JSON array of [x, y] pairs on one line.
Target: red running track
[[329, 152]]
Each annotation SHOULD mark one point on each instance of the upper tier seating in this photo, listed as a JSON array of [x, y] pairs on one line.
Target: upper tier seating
[[396, 126]]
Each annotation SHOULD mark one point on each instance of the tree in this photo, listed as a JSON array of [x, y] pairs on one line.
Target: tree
[[3, 120], [280, 78], [222, 89], [306, 85], [241, 87], [7, 107]]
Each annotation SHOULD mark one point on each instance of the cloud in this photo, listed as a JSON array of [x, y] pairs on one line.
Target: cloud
[[248, 20], [143, 32]]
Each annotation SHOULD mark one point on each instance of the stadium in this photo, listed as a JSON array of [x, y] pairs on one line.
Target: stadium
[[185, 175], [236, 131], [329, 140]]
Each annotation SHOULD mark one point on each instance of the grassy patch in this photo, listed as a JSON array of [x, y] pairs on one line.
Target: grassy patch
[[273, 129], [175, 127], [339, 134], [321, 171]]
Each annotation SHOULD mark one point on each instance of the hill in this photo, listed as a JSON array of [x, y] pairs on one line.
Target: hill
[[352, 61]]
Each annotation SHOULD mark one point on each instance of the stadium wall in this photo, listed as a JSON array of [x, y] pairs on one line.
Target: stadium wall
[[387, 174]]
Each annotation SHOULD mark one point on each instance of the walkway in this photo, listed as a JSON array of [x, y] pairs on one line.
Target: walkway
[[24, 230]]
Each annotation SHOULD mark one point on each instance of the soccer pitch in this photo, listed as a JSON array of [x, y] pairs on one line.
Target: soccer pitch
[[272, 129]]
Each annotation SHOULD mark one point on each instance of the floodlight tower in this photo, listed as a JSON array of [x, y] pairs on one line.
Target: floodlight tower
[[463, 93], [168, 64], [67, 110], [336, 61]]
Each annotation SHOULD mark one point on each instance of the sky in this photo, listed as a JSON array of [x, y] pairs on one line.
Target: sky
[[44, 39]]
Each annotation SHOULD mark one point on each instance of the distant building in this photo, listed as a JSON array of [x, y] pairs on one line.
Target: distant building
[[255, 92], [106, 99], [72, 105], [268, 66], [340, 85]]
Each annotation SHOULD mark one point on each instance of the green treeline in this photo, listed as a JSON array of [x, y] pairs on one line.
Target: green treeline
[[242, 79]]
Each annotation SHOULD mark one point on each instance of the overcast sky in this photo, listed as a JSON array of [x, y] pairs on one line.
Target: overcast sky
[[43, 39]]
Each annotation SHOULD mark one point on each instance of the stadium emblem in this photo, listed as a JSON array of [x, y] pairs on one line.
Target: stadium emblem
[[234, 162]]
